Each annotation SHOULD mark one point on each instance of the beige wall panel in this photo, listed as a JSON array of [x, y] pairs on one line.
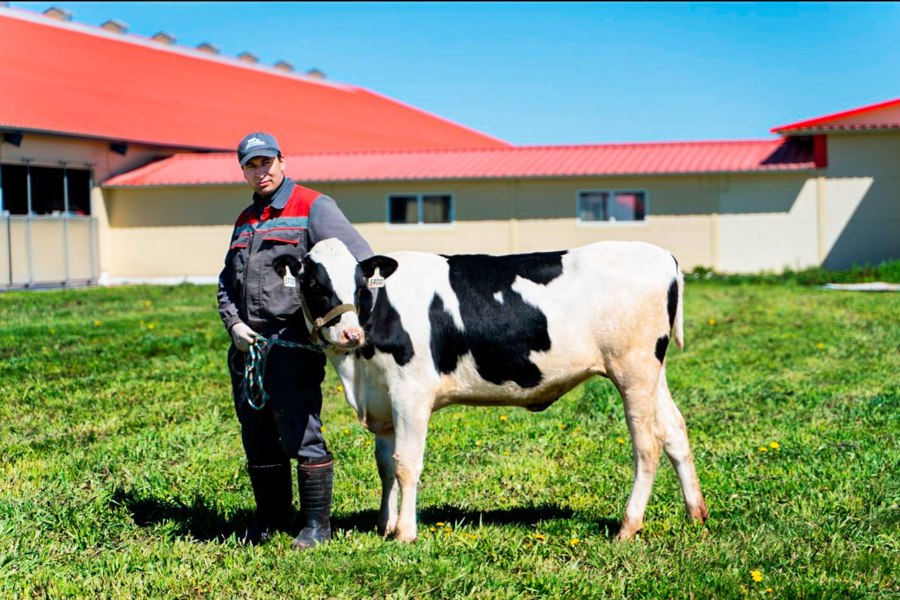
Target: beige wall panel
[[18, 236], [81, 254], [767, 223], [49, 260], [471, 237], [168, 251], [874, 154], [861, 220], [5, 274], [474, 200], [176, 206]]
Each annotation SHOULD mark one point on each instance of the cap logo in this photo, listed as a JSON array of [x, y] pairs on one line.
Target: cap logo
[[252, 143]]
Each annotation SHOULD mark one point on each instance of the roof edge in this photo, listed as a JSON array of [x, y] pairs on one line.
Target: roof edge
[[809, 123]]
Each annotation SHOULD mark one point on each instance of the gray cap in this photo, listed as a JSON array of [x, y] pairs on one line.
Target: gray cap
[[256, 144]]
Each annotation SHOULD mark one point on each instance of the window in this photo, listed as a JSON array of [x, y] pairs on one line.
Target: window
[[601, 205], [414, 209], [49, 186]]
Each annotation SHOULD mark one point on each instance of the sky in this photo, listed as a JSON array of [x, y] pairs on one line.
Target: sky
[[563, 73]]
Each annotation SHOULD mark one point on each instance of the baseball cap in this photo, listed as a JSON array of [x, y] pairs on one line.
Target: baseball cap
[[256, 144]]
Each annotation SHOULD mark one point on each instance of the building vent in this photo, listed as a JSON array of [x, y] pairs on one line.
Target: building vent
[[115, 26], [283, 65], [163, 38], [316, 74], [60, 14], [208, 48], [247, 58]]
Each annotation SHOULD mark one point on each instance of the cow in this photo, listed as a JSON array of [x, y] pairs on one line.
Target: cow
[[409, 333]]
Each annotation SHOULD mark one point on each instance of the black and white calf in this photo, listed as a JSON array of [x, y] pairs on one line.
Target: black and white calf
[[410, 333]]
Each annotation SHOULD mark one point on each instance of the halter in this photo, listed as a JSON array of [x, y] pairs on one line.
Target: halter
[[322, 321]]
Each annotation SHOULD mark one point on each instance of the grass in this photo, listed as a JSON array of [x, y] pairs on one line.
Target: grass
[[122, 469]]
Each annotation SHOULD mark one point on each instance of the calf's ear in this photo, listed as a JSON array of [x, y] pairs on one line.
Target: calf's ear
[[385, 265], [286, 261]]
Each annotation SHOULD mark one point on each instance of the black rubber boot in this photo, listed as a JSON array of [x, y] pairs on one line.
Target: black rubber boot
[[316, 482], [273, 493]]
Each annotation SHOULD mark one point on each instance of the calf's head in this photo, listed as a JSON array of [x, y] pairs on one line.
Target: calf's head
[[332, 287]]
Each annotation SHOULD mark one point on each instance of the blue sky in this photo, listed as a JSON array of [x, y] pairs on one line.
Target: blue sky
[[560, 73]]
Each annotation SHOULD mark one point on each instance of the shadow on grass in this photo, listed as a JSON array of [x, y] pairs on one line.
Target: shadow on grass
[[204, 523]]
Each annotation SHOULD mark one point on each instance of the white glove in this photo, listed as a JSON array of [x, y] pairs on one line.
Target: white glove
[[243, 336]]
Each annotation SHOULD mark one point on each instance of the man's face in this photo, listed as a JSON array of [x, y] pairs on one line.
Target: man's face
[[264, 174]]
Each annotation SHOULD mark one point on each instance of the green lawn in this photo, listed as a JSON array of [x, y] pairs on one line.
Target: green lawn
[[122, 469]]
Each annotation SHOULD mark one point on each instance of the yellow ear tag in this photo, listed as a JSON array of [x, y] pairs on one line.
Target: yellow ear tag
[[376, 280]]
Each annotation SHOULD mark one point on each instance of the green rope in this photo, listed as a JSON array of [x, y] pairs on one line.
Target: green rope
[[255, 367]]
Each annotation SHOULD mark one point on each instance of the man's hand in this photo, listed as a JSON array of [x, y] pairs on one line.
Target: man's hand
[[243, 336]]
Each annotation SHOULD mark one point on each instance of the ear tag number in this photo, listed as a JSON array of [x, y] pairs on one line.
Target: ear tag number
[[289, 280], [376, 280]]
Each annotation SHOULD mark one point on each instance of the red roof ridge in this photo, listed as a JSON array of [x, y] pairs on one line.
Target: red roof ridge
[[535, 147], [834, 116], [146, 42]]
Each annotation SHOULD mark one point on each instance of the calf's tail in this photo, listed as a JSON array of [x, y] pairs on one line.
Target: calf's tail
[[678, 325]]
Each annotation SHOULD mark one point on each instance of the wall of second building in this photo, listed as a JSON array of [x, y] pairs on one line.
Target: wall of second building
[[727, 222], [736, 223]]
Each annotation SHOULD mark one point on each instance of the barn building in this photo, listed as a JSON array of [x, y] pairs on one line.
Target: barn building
[[117, 164]]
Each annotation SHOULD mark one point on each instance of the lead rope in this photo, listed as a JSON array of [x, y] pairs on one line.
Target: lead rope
[[255, 367]]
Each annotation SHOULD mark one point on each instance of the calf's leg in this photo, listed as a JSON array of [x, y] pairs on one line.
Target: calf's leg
[[410, 426], [636, 380], [679, 451], [384, 456]]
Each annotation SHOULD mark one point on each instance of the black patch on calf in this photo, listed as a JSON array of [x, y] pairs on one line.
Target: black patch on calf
[[500, 335], [673, 302], [318, 291], [447, 342], [385, 333], [662, 344]]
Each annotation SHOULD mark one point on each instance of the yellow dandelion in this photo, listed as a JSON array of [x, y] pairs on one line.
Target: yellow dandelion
[[432, 529], [562, 425], [150, 326], [774, 445], [757, 576], [478, 442], [439, 524], [506, 453], [148, 303], [768, 590], [712, 322], [98, 323], [821, 346], [346, 431], [540, 537], [471, 536], [448, 530], [763, 449], [620, 440], [323, 428], [340, 388], [574, 541], [503, 417]]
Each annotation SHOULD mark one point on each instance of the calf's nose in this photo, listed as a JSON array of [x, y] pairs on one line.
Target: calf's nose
[[352, 337]]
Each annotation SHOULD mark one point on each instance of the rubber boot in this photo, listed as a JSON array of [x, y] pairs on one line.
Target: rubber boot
[[316, 482], [273, 493]]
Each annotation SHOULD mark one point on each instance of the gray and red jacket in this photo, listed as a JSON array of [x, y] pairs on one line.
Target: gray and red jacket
[[250, 290]]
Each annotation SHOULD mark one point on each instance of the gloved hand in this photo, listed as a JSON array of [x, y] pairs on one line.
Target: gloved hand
[[243, 336]]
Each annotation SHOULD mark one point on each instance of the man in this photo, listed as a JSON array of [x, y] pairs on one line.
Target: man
[[284, 218]]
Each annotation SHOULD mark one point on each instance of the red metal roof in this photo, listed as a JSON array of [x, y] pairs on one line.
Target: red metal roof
[[58, 77], [522, 161], [861, 118]]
